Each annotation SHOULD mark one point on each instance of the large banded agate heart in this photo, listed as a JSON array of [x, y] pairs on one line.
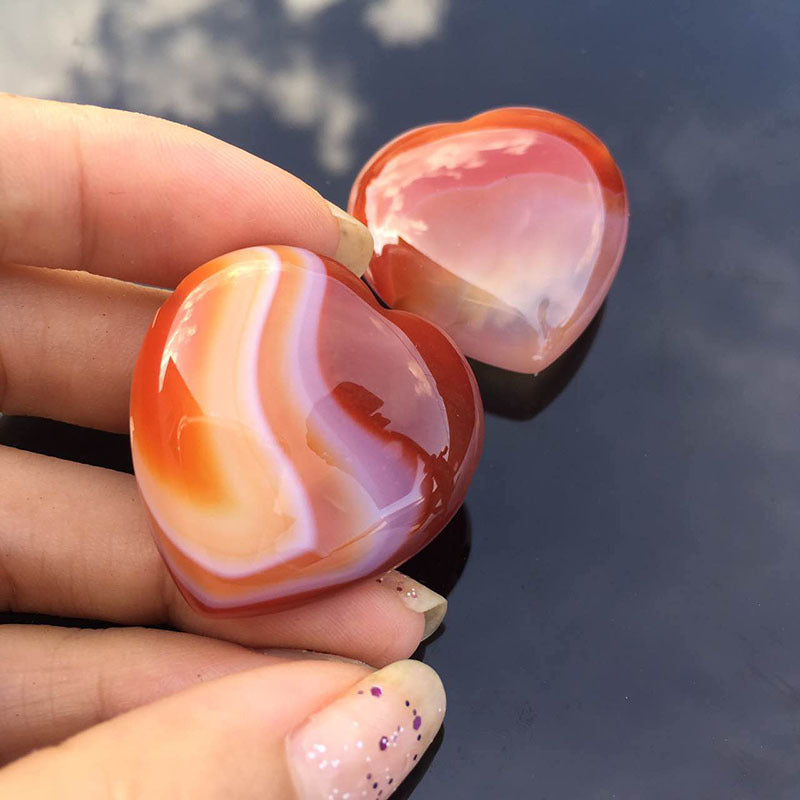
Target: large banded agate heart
[[289, 435], [506, 230]]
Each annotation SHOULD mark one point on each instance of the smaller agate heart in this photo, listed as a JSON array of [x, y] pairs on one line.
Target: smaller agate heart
[[506, 230], [289, 435]]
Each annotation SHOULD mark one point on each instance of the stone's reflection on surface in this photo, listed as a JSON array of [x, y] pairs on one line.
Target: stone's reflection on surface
[[439, 566], [506, 230], [289, 435], [519, 396]]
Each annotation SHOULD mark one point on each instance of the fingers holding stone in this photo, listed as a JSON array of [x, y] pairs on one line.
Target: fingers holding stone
[[75, 542]]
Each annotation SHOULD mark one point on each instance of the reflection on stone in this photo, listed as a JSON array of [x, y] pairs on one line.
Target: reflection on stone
[[506, 230]]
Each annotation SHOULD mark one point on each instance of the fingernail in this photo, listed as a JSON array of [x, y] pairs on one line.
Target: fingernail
[[355, 242], [365, 743], [417, 597], [290, 654]]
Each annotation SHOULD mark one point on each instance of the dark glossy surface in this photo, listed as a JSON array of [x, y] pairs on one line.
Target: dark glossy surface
[[625, 621]]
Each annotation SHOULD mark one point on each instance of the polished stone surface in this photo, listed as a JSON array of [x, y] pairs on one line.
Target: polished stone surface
[[290, 436], [623, 578], [505, 229]]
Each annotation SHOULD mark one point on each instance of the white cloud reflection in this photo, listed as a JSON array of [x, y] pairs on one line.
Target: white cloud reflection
[[744, 267], [304, 10], [41, 43], [405, 22], [195, 60]]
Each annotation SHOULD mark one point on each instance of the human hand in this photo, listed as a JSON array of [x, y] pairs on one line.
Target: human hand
[[128, 198]]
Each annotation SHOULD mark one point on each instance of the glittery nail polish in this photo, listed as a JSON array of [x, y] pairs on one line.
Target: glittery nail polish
[[417, 597], [365, 743]]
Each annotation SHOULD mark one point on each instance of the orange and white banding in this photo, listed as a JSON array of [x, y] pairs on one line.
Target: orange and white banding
[[289, 435]]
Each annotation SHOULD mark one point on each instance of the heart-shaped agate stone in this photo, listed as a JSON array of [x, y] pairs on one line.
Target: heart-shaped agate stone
[[506, 230], [289, 435]]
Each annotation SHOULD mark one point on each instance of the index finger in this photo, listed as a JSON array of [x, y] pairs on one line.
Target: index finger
[[146, 200]]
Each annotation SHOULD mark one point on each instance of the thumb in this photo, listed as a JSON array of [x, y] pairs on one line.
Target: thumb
[[301, 729]]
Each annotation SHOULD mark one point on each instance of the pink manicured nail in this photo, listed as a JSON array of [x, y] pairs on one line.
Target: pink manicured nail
[[364, 744]]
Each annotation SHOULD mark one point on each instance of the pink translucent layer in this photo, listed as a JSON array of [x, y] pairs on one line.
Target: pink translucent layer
[[506, 230]]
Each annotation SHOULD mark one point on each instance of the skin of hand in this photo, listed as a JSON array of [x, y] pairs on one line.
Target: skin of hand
[[95, 207]]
